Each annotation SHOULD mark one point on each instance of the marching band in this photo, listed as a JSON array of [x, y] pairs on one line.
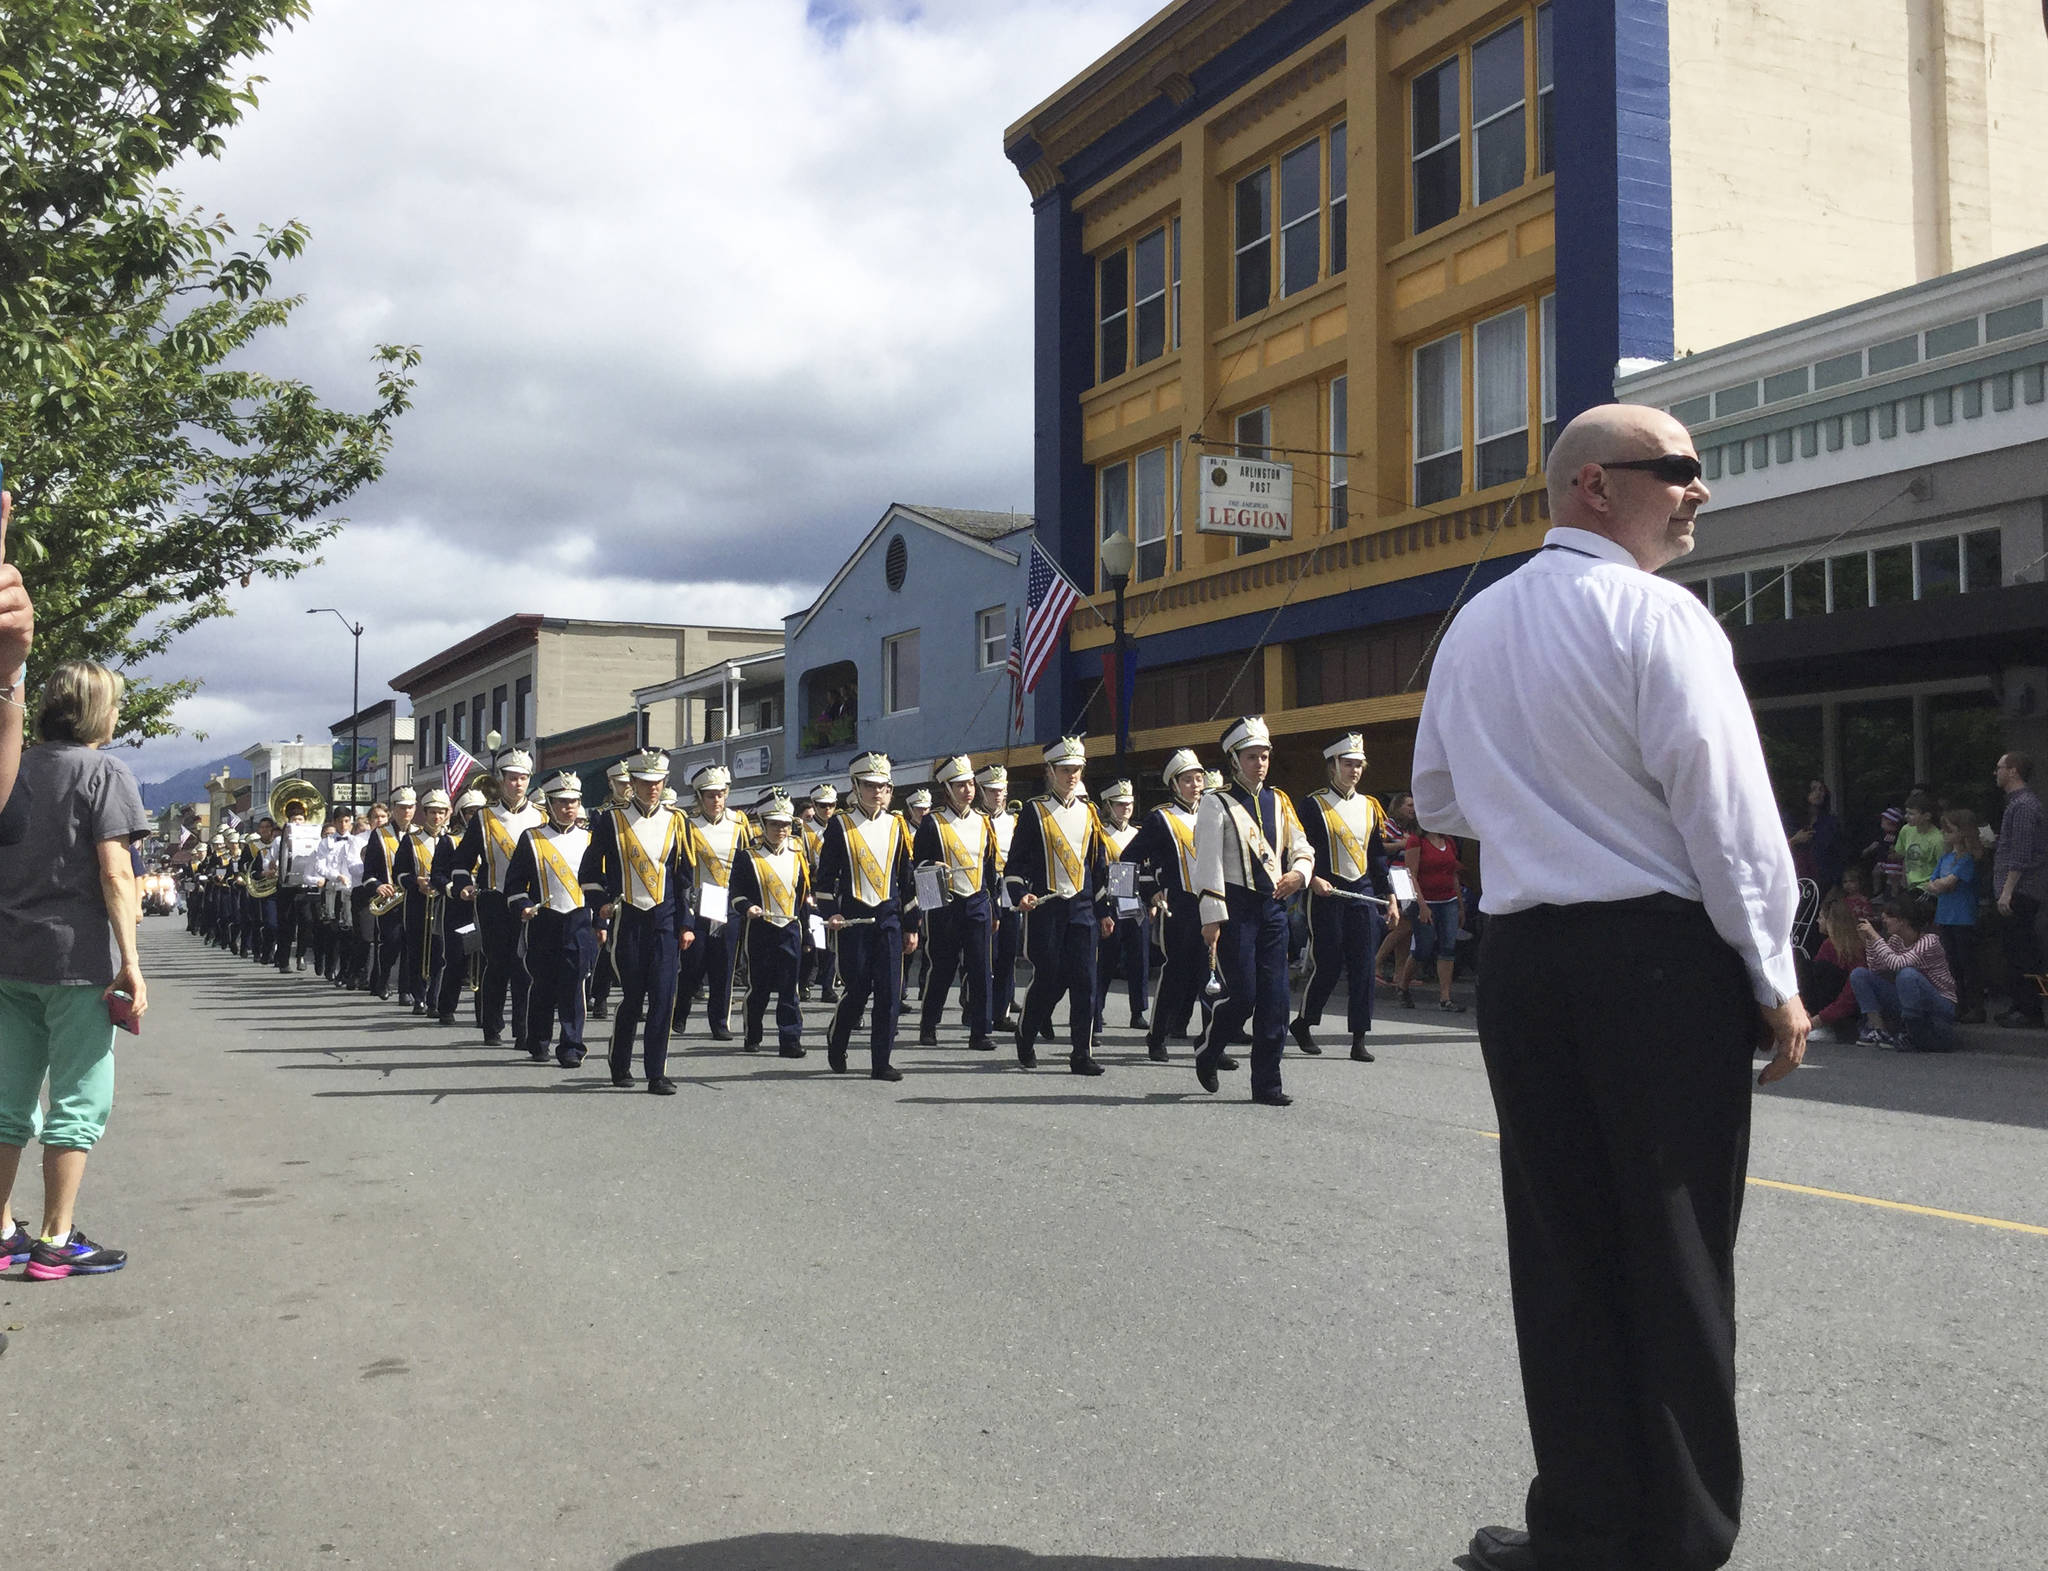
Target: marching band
[[552, 917]]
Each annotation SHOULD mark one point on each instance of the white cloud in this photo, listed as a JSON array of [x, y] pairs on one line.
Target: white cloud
[[702, 288]]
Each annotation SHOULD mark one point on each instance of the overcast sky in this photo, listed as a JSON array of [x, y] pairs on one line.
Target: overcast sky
[[702, 285]]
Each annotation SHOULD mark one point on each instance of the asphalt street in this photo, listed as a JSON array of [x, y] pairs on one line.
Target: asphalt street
[[399, 1300]]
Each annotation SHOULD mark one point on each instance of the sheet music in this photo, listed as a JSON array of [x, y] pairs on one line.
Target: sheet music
[[817, 926], [713, 904], [1404, 885], [1123, 882], [931, 891]]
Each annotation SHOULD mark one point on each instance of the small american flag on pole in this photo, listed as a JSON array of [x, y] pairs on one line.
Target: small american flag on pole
[[456, 770], [1051, 595]]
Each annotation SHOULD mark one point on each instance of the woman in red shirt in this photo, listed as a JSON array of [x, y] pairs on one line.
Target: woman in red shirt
[[1433, 863]]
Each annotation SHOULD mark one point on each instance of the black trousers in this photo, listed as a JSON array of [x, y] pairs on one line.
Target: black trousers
[[505, 974], [774, 959], [295, 913], [961, 942], [2020, 938], [1060, 942], [1345, 935], [1624, 1120], [1186, 971]]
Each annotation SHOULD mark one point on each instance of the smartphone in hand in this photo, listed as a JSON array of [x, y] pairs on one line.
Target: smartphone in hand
[[121, 1010]]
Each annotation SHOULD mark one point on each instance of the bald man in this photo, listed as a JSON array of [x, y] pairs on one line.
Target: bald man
[[1584, 723]]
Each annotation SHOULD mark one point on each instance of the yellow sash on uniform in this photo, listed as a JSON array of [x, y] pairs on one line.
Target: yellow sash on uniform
[[1062, 849], [388, 839], [550, 862], [864, 862], [715, 868], [652, 874], [423, 848], [1341, 832], [958, 857], [813, 842], [777, 896], [499, 836], [1184, 842]]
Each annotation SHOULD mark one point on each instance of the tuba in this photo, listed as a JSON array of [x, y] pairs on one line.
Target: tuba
[[296, 789]]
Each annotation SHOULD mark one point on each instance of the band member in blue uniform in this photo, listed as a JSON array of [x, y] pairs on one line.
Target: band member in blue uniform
[[717, 836], [1164, 849], [961, 844], [422, 872], [1350, 894], [771, 892], [866, 888], [638, 868], [818, 963], [544, 891], [1058, 876], [1250, 856], [1126, 953], [620, 781], [1006, 922], [478, 874], [380, 877]]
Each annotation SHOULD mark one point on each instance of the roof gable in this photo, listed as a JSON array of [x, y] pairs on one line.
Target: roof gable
[[963, 526]]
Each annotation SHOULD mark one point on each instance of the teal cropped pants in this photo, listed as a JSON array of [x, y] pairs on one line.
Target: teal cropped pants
[[62, 1034]]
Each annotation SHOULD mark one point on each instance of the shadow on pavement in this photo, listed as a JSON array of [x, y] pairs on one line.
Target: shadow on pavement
[[881, 1552], [1981, 1087]]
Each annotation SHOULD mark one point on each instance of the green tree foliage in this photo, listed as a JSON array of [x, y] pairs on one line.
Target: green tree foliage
[[152, 471]]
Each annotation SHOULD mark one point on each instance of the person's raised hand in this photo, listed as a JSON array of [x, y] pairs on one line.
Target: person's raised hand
[[1785, 1028], [17, 613]]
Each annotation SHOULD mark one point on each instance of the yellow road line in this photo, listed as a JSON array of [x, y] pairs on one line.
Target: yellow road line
[[1885, 1205]]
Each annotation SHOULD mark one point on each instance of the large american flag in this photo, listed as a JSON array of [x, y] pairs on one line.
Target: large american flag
[[456, 769], [1051, 595]]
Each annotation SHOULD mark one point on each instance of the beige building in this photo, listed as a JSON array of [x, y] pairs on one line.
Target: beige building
[[530, 676]]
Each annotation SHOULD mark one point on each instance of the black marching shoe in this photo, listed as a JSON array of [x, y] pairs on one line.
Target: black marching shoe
[[981, 1044], [1503, 1549], [569, 1057], [1139, 1022], [885, 1072], [791, 1051], [753, 1042], [836, 1057], [1083, 1066], [494, 1039], [661, 1085], [1155, 1049], [600, 1011], [927, 1036], [446, 1020], [1302, 1040], [623, 1079], [539, 1055], [1228, 1064], [1206, 1075], [720, 1034], [1272, 1099], [1360, 1053]]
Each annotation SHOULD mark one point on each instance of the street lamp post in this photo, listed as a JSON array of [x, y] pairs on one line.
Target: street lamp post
[[1118, 557], [355, 702]]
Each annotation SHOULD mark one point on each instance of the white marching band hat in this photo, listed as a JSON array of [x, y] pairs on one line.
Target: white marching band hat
[[993, 775], [515, 762], [436, 798], [775, 808], [825, 791], [668, 796], [563, 784], [1067, 750], [1249, 732], [1212, 780], [649, 765], [1349, 745], [918, 798], [946, 770], [618, 771], [873, 768], [1120, 791], [1180, 764], [470, 801], [712, 777], [404, 796]]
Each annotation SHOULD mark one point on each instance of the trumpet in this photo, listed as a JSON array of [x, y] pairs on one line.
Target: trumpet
[[384, 905]]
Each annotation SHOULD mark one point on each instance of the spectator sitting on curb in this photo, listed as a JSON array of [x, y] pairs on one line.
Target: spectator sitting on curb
[[1824, 982], [1904, 986], [1954, 887], [1855, 894]]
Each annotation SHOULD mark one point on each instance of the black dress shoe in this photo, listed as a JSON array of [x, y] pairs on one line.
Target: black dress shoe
[[1083, 1066], [1503, 1549], [1360, 1053], [1156, 1051], [540, 1055], [886, 1072], [1027, 1058], [752, 1044], [791, 1052], [570, 1057], [1228, 1064], [1299, 1031], [1206, 1074], [1272, 1099], [720, 1034], [1139, 1022], [661, 1085], [624, 1082], [600, 1011], [493, 1039], [981, 1044], [927, 1037], [836, 1057]]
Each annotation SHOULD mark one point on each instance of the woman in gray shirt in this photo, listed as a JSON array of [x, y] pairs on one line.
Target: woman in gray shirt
[[67, 960]]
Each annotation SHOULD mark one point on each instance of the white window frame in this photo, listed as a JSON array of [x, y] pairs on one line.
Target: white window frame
[[1166, 336], [1314, 214], [1140, 538], [1174, 265], [991, 649], [1544, 89], [1340, 452], [1478, 125], [1122, 261], [890, 646], [1417, 154], [1261, 449], [1457, 443], [1112, 509], [1546, 315], [1240, 248], [1337, 183], [1481, 437]]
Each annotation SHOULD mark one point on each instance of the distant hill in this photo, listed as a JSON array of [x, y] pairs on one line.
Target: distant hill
[[189, 786]]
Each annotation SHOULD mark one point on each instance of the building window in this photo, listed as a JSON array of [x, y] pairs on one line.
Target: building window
[[1340, 181], [1114, 511], [1254, 242], [1546, 313], [1112, 303], [1439, 421], [1176, 283], [1148, 266], [1301, 218], [1340, 446], [476, 719], [522, 709], [461, 725], [1499, 103], [1500, 405], [498, 715], [424, 754], [440, 734], [1433, 99], [899, 673], [1546, 91], [1174, 506], [991, 637], [1150, 535], [830, 696], [1925, 569], [1254, 430]]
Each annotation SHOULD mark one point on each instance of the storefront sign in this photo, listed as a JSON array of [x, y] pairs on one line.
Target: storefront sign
[[1246, 496]]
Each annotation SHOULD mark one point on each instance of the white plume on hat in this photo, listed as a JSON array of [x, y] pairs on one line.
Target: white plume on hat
[[873, 768], [712, 777], [775, 808], [618, 771], [1250, 731], [404, 796], [1067, 750], [918, 798], [993, 775], [564, 784], [825, 791], [648, 765], [1349, 745], [947, 770], [1178, 765], [1120, 791], [435, 798], [516, 762]]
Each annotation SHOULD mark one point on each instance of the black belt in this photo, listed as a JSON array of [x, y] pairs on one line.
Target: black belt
[[1659, 904]]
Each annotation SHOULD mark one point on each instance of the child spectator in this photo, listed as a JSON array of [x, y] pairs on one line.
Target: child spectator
[[1954, 886], [1855, 894], [1887, 872], [1824, 980], [1918, 844], [1905, 979]]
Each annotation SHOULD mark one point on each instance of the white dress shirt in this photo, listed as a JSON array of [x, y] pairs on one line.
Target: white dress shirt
[[1229, 843], [1585, 725]]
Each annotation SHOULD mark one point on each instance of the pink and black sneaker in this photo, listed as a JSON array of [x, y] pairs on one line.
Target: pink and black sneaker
[[79, 1256], [14, 1247]]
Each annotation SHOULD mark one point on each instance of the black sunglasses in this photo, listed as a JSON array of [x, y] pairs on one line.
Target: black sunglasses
[[1671, 468]]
